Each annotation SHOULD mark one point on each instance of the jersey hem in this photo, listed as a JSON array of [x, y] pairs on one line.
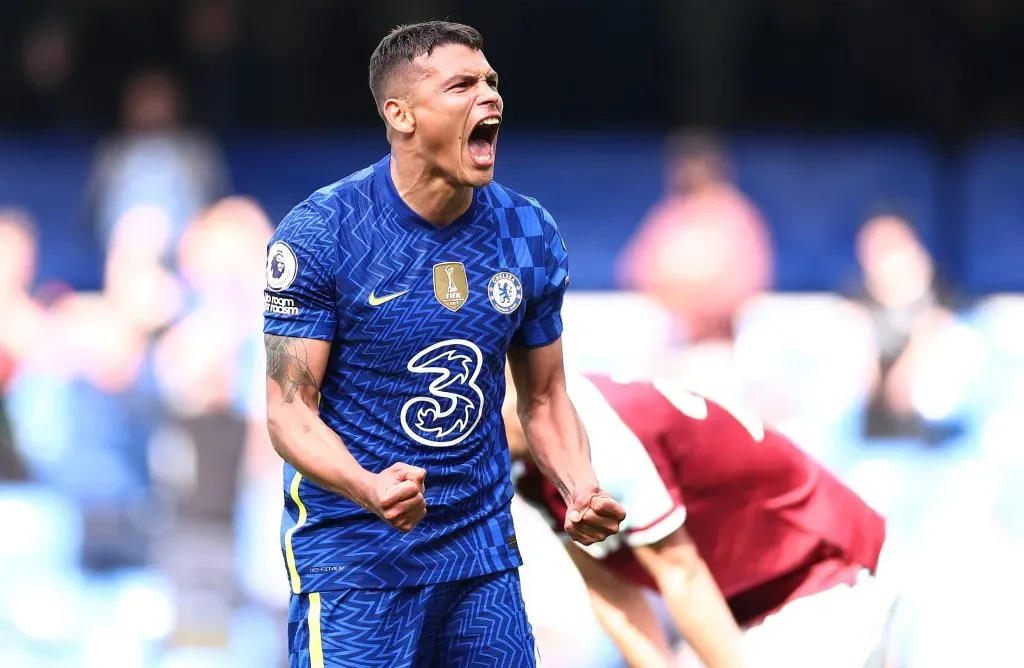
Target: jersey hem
[[523, 344], [286, 328]]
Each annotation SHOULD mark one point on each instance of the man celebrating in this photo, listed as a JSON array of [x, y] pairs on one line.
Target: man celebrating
[[393, 297], [732, 524]]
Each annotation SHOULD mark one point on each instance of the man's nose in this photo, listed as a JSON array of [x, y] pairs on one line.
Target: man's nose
[[489, 96]]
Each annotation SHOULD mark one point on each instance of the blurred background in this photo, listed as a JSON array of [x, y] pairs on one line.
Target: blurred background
[[814, 206]]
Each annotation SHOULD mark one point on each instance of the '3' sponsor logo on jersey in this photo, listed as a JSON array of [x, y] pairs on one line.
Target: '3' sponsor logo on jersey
[[451, 410]]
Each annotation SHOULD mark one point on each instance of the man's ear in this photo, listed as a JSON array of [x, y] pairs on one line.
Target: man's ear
[[398, 115]]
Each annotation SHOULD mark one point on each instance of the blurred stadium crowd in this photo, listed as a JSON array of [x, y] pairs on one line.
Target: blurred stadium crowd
[[140, 496], [940, 66]]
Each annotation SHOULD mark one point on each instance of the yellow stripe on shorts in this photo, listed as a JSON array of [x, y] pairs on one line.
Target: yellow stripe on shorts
[[316, 646]]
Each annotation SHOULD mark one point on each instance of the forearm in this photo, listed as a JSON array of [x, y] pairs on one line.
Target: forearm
[[634, 628], [624, 613], [295, 369], [558, 443], [702, 616], [302, 439]]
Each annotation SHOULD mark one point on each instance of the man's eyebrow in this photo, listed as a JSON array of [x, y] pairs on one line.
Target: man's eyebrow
[[472, 76]]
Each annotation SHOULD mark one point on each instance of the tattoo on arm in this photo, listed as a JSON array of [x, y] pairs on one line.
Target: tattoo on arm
[[562, 489], [286, 365]]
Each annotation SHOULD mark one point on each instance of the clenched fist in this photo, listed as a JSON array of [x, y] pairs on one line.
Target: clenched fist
[[397, 496], [593, 516]]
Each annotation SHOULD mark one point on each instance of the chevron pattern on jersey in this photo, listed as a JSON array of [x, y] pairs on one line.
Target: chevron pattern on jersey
[[314, 246], [480, 622], [410, 380]]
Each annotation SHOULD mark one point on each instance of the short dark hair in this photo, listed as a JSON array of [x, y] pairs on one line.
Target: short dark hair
[[407, 42]]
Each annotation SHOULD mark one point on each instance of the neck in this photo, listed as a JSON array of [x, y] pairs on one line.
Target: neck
[[430, 195]]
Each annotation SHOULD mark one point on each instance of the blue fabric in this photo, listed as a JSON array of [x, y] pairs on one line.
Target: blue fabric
[[417, 377]]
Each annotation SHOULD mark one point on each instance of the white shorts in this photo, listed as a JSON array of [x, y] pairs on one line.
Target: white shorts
[[843, 627]]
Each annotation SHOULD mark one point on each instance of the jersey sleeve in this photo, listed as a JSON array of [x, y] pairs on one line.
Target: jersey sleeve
[[299, 300], [542, 321], [627, 470]]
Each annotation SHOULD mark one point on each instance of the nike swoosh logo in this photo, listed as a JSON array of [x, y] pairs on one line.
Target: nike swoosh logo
[[377, 301]]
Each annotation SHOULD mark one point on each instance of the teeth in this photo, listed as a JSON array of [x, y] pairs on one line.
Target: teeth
[[490, 121]]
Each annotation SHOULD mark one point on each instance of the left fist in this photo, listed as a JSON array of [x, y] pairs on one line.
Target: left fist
[[592, 517]]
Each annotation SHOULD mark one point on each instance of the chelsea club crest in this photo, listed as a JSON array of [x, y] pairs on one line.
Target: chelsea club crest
[[505, 292]]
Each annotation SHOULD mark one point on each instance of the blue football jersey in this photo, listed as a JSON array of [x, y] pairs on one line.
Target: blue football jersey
[[419, 319]]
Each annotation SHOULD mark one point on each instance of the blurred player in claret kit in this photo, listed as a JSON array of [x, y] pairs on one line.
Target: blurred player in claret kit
[[762, 557], [393, 297]]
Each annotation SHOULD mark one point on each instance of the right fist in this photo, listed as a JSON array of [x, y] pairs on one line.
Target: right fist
[[398, 496]]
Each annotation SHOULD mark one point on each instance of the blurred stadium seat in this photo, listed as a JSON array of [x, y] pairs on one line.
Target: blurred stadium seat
[[816, 193], [993, 215]]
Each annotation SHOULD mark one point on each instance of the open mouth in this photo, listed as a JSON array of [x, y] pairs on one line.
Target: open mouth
[[482, 140]]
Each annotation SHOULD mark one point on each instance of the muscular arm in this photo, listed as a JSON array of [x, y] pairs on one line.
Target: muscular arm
[[555, 435], [295, 369], [694, 600], [558, 442], [624, 613]]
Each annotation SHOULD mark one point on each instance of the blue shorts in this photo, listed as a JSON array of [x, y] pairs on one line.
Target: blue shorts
[[480, 622]]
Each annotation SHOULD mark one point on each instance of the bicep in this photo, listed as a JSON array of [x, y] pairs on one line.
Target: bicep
[[538, 373], [299, 315], [666, 557], [295, 369]]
